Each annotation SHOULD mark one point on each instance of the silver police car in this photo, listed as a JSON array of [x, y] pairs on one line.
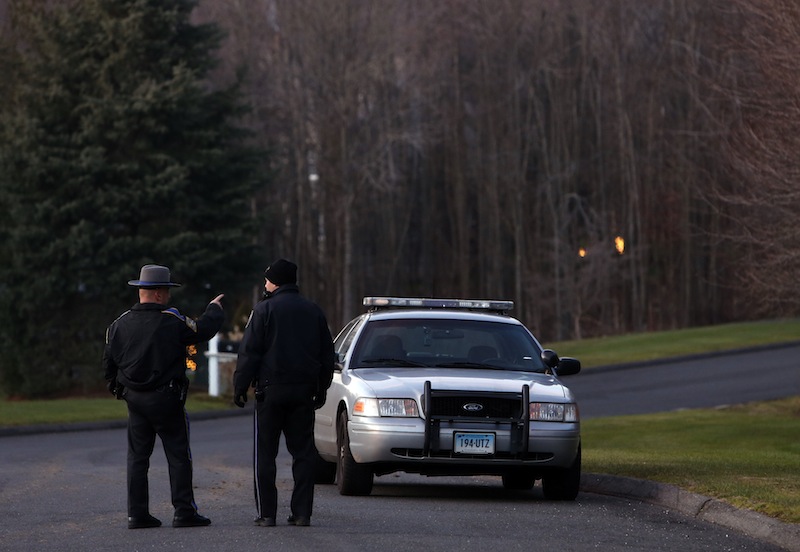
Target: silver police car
[[447, 387]]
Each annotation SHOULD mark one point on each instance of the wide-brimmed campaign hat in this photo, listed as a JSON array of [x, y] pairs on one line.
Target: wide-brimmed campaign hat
[[153, 276]]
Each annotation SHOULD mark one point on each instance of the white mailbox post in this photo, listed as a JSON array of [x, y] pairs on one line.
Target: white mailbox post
[[215, 357]]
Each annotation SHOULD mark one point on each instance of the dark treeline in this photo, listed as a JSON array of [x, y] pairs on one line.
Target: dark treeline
[[609, 165], [497, 148]]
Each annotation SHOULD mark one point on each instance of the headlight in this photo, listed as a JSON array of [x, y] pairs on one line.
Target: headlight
[[386, 407], [554, 412]]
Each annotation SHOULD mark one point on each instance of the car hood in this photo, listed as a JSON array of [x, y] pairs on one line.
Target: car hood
[[410, 382]]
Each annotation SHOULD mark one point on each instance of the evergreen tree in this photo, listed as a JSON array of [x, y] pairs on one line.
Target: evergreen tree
[[117, 152]]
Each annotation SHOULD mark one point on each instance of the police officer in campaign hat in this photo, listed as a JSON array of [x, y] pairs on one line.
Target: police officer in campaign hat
[[287, 355], [144, 361]]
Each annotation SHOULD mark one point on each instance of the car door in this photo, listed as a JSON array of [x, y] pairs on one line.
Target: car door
[[325, 418]]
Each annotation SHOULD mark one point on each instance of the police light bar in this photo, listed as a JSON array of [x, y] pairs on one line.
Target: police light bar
[[425, 303]]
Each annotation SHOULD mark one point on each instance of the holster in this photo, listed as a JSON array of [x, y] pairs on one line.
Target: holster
[[179, 388], [183, 389], [260, 393]]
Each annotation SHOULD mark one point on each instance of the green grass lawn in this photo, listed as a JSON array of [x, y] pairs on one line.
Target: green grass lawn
[[87, 409], [654, 345], [748, 455]]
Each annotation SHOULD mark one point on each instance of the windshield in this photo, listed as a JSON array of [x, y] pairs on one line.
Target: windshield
[[447, 344]]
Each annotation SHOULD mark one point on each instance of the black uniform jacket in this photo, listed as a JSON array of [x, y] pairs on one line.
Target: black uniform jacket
[[146, 346], [286, 340]]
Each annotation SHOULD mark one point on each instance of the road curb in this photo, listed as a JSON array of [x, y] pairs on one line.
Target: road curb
[[754, 524]]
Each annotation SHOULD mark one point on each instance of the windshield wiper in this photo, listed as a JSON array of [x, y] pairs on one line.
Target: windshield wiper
[[391, 361], [464, 364]]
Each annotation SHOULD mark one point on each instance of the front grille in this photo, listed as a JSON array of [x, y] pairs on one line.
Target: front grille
[[501, 409], [476, 406]]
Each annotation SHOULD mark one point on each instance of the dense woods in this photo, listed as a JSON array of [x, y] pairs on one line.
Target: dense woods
[[611, 166], [498, 148]]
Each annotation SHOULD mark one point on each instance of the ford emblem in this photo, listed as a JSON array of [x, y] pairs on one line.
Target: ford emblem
[[473, 407]]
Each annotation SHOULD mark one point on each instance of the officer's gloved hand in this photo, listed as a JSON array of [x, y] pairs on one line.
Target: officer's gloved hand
[[319, 399], [239, 399], [115, 388]]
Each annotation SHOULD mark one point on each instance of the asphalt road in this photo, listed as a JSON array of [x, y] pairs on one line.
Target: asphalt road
[[756, 374], [66, 490]]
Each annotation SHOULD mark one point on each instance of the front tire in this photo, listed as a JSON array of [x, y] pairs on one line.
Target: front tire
[[563, 483], [352, 478]]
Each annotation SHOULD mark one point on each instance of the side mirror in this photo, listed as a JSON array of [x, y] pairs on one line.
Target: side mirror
[[560, 366], [568, 367]]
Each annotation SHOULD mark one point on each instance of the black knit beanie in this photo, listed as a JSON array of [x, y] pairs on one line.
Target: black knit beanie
[[281, 272]]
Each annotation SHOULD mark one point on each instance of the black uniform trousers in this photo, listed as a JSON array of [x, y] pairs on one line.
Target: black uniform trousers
[[161, 413], [286, 408]]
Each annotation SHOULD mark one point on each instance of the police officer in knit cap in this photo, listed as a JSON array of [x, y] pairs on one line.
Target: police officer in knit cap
[[287, 355], [144, 361]]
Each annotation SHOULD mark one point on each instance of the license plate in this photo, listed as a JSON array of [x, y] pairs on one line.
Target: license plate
[[473, 443]]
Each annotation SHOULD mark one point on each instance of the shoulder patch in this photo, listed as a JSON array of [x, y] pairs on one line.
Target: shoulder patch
[[174, 312], [185, 319]]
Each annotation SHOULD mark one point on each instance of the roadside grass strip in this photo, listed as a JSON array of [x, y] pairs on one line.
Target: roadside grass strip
[[747, 455], [603, 351]]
